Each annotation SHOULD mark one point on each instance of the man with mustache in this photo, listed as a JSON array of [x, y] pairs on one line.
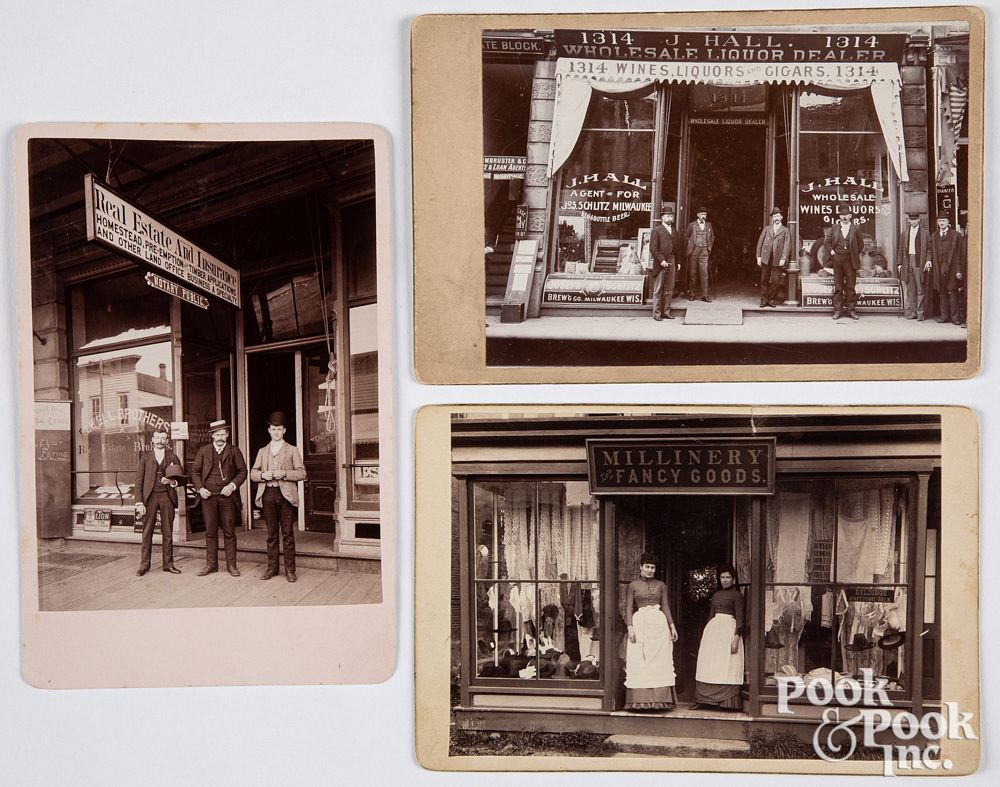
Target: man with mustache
[[156, 491], [218, 472]]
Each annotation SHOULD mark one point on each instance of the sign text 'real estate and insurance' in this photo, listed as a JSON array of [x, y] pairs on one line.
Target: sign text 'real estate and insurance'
[[114, 222], [734, 466]]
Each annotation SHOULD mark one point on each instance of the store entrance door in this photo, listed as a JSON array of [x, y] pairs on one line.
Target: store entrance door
[[726, 173]]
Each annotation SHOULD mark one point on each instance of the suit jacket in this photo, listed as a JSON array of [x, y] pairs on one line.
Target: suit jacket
[[692, 231], [287, 459], [946, 254], [923, 246], [774, 246], [663, 247], [234, 467], [145, 475], [854, 244]]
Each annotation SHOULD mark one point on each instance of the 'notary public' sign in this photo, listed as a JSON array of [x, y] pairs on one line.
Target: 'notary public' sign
[[729, 466], [116, 223]]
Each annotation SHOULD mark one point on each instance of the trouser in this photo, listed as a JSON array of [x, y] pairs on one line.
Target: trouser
[[663, 287], [845, 298], [158, 501], [220, 511], [951, 305], [279, 516], [698, 271], [914, 304], [770, 283]]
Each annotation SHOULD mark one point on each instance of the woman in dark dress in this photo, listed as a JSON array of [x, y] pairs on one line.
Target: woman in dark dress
[[719, 676], [649, 652]]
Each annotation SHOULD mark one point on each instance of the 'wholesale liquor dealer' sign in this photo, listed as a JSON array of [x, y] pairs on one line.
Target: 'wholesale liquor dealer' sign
[[717, 466]]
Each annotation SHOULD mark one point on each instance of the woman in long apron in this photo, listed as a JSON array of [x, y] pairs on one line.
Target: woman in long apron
[[719, 676], [649, 652]]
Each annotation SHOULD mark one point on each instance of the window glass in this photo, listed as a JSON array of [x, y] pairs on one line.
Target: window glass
[[828, 110], [108, 436], [321, 406], [364, 401], [287, 308], [118, 309], [635, 113], [358, 238]]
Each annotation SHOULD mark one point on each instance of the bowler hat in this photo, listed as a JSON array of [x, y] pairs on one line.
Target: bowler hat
[[776, 210], [277, 418], [174, 470], [702, 209], [860, 642], [913, 215], [215, 426], [844, 211], [891, 640]]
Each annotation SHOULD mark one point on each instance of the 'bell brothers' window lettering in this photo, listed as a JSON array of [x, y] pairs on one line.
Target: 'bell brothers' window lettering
[[836, 572], [121, 396], [606, 191], [536, 573]]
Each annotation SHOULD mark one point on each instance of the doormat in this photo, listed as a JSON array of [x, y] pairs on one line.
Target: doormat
[[700, 313]]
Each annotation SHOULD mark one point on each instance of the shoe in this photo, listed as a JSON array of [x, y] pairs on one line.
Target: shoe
[[141, 571], [836, 315], [172, 569], [233, 571], [690, 296], [706, 299], [920, 319], [962, 324], [657, 317], [853, 314], [269, 574], [911, 316], [290, 576], [772, 304], [669, 316], [941, 319], [763, 303], [206, 570]]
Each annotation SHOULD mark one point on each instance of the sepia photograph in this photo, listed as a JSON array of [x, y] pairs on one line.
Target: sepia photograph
[[715, 584]]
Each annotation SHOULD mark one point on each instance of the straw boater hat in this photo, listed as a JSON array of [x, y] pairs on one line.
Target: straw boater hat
[[215, 426], [891, 640]]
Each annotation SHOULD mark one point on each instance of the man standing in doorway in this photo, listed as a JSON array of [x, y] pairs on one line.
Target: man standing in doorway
[[950, 278], [699, 239], [218, 472], [665, 251], [156, 491], [844, 245], [277, 471], [773, 247], [913, 262]]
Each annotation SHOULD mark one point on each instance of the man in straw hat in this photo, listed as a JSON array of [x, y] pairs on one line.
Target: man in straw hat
[[773, 248], [218, 472], [844, 245]]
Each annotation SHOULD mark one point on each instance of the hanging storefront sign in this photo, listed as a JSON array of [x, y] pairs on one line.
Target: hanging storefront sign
[[122, 227], [721, 46], [504, 167], [719, 467], [722, 120], [874, 295], [592, 289], [164, 285]]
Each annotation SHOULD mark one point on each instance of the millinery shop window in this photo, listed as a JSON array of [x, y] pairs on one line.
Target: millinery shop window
[[537, 589], [836, 577]]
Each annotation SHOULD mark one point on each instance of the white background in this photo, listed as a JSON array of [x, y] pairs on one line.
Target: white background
[[322, 60]]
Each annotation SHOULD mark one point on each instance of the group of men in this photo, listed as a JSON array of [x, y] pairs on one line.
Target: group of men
[[926, 263], [218, 471]]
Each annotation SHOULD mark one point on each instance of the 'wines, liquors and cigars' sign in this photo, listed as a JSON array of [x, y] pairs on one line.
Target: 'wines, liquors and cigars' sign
[[119, 225], [708, 46], [732, 466]]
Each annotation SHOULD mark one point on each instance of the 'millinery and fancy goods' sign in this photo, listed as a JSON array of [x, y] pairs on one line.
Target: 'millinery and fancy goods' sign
[[724, 466], [121, 226]]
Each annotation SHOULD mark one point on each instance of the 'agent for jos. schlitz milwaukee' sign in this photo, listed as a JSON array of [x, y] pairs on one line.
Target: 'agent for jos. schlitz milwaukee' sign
[[723, 466]]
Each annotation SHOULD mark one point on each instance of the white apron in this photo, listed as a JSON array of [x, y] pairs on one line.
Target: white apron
[[715, 663], [649, 661]]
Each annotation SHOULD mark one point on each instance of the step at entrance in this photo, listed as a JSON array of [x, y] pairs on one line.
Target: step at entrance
[[661, 745], [699, 313]]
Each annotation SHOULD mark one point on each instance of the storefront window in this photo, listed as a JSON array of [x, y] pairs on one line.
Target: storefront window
[[606, 187], [287, 308], [358, 231], [121, 395], [836, 569], [364, 403], [536, 573], [117, 309]]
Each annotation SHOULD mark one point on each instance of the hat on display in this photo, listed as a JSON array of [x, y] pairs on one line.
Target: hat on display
[[771, 640], [776, 211], [892, 639], [550, 611], [860, 642], [215, 426], [277, 418]]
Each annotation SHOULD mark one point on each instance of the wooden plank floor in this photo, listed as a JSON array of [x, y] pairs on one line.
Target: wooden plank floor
[[71, 580]]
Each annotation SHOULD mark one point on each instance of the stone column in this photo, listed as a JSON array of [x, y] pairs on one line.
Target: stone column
[[49, 342], [536, 182], [915, 123]]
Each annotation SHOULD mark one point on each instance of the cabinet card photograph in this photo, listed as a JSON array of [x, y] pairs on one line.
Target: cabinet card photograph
[[780, 589], [205, 401], [780, 196]]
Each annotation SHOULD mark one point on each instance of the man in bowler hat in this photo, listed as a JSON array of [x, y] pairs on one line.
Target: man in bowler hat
[[913, 263], [665, 251], [773, 248], [699, 239], [218, 472], [949, 270], [277, 470], [156, 480], [844, 245]]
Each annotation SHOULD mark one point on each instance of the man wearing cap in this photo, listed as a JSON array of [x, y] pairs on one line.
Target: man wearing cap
[[699, 239], [218, 472], [949, 275], [156, 480], [844, 245], [913, 262], [665, 251], [277, 470], [773, 247]]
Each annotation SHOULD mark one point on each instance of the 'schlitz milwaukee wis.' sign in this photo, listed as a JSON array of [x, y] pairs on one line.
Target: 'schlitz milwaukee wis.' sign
[[119, 225], [723, 466]]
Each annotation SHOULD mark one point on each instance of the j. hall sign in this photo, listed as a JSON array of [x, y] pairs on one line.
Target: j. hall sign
[[723, 466]]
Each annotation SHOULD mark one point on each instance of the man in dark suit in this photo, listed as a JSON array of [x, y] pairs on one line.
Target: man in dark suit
[[773, 248], [844, 245], [665, 252], [218, 472], [699, 237], [948, 270], [154, 492], [913, 262]]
